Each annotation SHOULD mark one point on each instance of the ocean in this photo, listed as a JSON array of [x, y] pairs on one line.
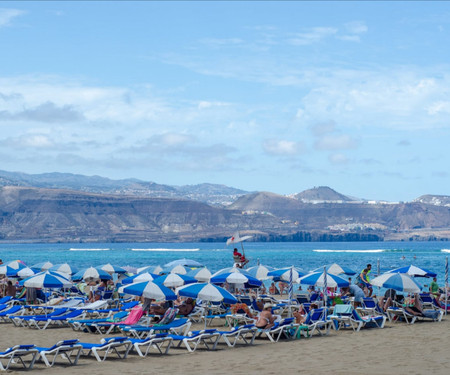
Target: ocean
[[304, 255]]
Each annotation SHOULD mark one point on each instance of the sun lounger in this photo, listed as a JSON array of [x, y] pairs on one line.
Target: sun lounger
[[346, 316], [23, 319], [107, 345], [161, 342], [65, 349], [80, 324], [284, 328], [242, 334], [208, 338], [178, 326], [317, 321], [14, 310], [61, 320], [108, 327], [397, 314], [16, 353]]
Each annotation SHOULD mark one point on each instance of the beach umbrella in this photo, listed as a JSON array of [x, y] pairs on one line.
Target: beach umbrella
[[175, 269], [152, 269], [398, 281], [173, 280], [284, 273], [64, 268], [236, 238], [183, 262], [16, 264], [231, 269], [260, 272], [149, 289], [323, 279], [207, 292], [414, 271], [111, 268], [25, 272], [140, 277], [200, 274], [236, 278], [91, 274], [43, 266], [46, 280], [336, 269], [8, 271], [131, 269]]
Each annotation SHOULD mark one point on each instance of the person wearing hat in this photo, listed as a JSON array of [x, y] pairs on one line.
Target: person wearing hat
[[265, 319]]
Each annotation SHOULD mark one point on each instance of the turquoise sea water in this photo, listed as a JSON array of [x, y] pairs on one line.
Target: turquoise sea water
[[306, 256]]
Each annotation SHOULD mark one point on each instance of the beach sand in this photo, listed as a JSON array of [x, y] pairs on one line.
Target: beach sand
[[398, 348]]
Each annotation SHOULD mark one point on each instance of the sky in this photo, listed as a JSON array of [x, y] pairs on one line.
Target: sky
[[262, 96]]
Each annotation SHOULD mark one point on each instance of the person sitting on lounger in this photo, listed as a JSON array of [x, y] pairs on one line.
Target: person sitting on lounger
[[265, 319], [300, 315], [186, 307], [414, 307], [273, 289]]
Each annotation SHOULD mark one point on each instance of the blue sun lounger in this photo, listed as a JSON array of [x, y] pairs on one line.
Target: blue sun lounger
[[5, 315], [178, 326], [16, 353], [107, 345], [208, 338], [243, 334], [65, 349], [161, 342], [61, 320], [80, 324], [22, 320]]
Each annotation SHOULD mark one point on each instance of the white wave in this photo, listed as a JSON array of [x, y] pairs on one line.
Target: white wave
[[349, 251], [162, 249], [445, 250], [87, 249]]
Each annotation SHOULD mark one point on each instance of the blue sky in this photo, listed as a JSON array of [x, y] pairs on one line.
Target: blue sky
[[267, 96]]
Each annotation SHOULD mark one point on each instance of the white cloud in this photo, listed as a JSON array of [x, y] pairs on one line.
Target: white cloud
[[7, 15], [338, 159], [282, 147], [313, 35], [356, 27], [335, 142]]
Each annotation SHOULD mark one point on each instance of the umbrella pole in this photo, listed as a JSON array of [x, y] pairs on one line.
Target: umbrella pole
[[446, 284]]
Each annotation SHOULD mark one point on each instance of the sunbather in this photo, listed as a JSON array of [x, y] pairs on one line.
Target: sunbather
[[265, 319], [186, 307], [300, 315], [414, 307]]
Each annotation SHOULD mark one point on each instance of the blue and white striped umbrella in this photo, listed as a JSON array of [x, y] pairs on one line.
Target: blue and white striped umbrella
[[151, 269], [90, 274], [398, 281], [173, 280], [64, 268], [184, 262], [200, 274], [260, 272], [140, 277], [181, 270], [25, 272], [46, 280], [414, 271], [43, 266], [231, 269], [111, 268], [8, 271], [236, 278], [207, 292], [336, 269], [16, 264], [284, 273], [323, 279], [149, 289]]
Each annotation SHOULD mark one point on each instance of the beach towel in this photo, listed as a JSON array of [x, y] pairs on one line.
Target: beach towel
[[134, 317]]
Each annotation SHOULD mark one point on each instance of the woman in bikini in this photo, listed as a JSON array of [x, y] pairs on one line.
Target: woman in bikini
[[265, 319]]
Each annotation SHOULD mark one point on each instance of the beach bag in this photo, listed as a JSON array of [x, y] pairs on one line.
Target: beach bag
[[169, 316]]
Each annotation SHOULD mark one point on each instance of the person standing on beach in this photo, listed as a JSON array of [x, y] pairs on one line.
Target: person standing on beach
[[434, 288]]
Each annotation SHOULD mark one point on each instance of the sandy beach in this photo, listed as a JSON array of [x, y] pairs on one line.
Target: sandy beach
[[398, 348]]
